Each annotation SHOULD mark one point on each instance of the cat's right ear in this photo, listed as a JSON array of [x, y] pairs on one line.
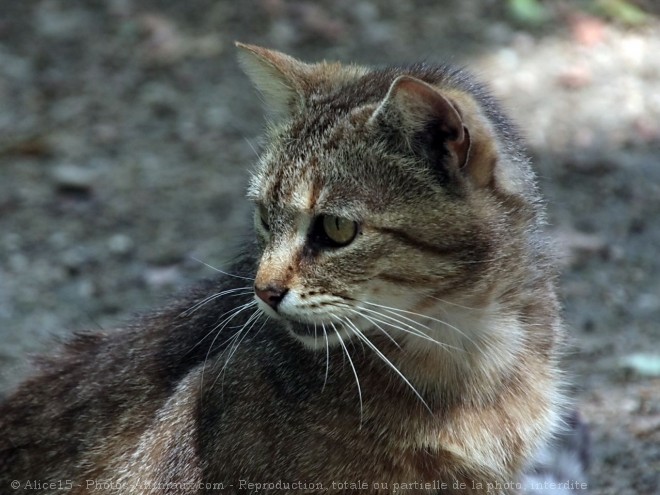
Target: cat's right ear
[[420, 118], [281, 79], [411, 104]]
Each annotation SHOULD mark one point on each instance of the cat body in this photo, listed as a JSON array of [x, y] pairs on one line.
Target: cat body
[[394, 326]]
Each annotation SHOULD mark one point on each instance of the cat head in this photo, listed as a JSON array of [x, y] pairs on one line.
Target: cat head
[[381, 194]]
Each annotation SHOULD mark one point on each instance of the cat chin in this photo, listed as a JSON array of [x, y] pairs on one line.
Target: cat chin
[[315, 336], [289, 314]]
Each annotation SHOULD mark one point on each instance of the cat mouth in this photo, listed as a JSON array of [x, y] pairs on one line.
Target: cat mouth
[[316, 330], [307, 328], [317, 336]]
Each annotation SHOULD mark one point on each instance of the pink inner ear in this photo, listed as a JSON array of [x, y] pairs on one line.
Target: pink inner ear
[[422, 98], [462, 148]]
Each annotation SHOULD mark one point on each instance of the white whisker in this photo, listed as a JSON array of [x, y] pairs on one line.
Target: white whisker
[[409, 329], [252, 147], [327, 357], [382, 356], [444, 301], [396, 311], [251, 321], [220, 271], [374, 322], [234, 292], [357, 380], [220, 327], [262, 325], [232, 313]]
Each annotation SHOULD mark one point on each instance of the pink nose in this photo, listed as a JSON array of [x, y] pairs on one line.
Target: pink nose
[[272, 294]]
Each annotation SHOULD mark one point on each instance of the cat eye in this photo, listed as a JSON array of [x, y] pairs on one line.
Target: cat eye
[[332, 231], [263, 217]]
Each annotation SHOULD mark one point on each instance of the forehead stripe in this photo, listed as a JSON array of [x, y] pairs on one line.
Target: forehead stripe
[[315, 187]]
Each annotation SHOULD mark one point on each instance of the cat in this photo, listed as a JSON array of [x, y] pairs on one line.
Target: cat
[[393, 327]]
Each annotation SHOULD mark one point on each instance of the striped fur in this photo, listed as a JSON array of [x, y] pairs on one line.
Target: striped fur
[[424, 351]]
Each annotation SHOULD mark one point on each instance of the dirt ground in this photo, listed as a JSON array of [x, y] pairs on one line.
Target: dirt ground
[[127, 130]]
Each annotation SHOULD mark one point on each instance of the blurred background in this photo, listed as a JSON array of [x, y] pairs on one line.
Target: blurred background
[[127, 132]]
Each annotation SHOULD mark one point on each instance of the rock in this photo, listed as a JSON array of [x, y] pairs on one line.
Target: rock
[[646, 427], [647, 365], [574, 246], [575, 77], [162, 276], [73, 178], [165, 43], [120, 244], [54, 20]]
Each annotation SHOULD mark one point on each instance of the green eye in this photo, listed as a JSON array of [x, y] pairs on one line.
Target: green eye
[[335, 231]]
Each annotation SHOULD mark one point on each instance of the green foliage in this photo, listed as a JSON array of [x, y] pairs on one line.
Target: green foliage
[[622, 11], [536, 12], [528, 11]]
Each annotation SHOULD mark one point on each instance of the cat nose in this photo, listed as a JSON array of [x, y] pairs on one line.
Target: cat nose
[[272, 294]]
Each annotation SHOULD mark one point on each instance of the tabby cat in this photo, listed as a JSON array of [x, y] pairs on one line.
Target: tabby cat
[[394, 327]]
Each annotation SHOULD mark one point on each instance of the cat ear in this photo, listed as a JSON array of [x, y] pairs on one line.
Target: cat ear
[[426, 122], [281, 79]]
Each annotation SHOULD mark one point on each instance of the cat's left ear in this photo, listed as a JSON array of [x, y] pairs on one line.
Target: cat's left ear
[[281, 79], [421, 118]]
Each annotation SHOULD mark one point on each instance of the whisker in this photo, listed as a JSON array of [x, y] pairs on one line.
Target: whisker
[[327, 357], [252, 320], [220, 327], [434, 319], [206, 300], [374, 323], [382, 356], [252, 147], [221, 271], [450, 303], [262, 325], [410, 329], [350, 361], [232, 313], [396, 311], [201, 378]]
